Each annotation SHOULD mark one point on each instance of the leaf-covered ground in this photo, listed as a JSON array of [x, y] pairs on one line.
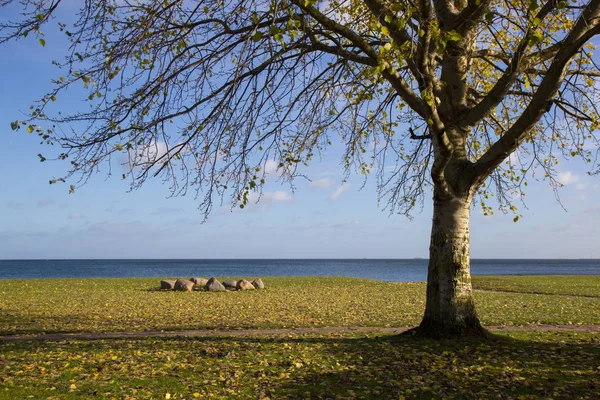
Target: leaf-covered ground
[[516, 365], [103, 305]]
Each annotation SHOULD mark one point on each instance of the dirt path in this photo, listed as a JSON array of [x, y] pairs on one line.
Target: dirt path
[[278, 331]]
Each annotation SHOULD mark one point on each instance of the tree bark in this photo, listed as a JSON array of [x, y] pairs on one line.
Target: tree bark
[[450, 309]]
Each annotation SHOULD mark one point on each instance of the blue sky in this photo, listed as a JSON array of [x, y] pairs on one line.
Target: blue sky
[[319, 219]]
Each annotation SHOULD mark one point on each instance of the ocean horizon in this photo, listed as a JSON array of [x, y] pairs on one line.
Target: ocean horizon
[[393, 270]]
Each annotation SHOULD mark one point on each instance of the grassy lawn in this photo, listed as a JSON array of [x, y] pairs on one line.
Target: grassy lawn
[[522, 364], [557, 284], [101, 305], [513, 365]]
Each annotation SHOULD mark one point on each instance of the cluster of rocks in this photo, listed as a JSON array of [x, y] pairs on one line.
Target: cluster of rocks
[[211, 285]]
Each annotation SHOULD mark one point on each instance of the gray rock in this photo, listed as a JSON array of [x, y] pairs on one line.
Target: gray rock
[[183, 285], [243, 284], [168, 285], [214, 285], [258, 283], [199, 281], [230, 284]]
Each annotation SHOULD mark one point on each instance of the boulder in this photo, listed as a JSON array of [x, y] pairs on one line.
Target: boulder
[[258, 283], [230, 284], [167, 285], [243, 284], [214, 285], [199, 281], [183, 285]]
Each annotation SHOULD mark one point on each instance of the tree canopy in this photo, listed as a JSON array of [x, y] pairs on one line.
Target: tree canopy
[[204, 93]]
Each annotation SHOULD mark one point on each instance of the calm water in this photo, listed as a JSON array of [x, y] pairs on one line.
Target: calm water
[[404, 270]]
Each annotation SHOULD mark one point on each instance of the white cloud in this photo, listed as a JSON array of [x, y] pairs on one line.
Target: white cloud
[[567, 178], [262, 202], [323, 183], [339, 191], [270, 167], [44, 202], [146, 154], [270, 197], [580, 186], [75, 215]]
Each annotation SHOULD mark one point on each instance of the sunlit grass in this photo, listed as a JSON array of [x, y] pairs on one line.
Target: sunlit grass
[[100, 305], [576, 285]]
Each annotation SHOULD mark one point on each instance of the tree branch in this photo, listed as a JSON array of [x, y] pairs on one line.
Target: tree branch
[[390, 73], [518, 62], [585, 28], [418, 137]]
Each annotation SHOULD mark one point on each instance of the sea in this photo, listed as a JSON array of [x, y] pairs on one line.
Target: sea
[[392, 270]]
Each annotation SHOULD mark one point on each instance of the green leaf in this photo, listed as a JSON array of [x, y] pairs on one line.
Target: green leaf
[[309, 3], [30, 129], [257, 36], [533, 5], [536, 38], [453, 36], [43, 42]]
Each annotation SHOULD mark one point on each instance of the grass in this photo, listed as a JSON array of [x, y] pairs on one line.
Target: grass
[[568, 285], [513, 365], [521, 364], [101, 305]]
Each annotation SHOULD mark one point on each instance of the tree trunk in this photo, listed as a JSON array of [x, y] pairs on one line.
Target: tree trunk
[[450, 310]]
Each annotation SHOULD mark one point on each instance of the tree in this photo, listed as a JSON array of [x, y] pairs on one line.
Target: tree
[[205, 94]]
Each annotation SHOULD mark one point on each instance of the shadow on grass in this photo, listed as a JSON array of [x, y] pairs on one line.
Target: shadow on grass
[[503, 367], [527, 365]]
